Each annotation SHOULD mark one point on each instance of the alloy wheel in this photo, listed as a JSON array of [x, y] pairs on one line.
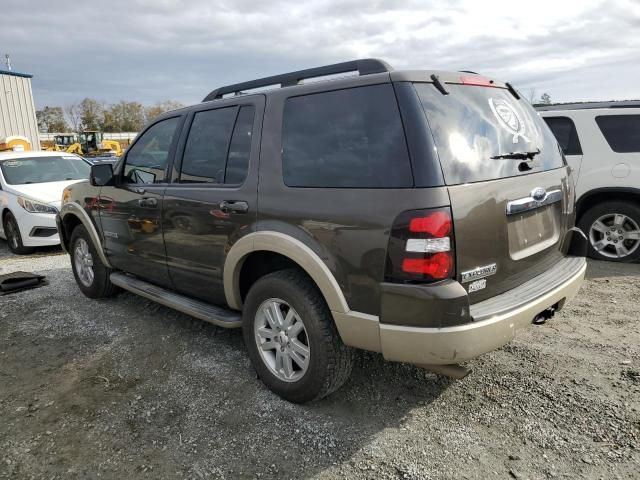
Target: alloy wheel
[[615, 235], [282, 340], [83, 261]]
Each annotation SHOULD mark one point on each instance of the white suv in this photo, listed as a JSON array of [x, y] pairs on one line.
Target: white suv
[[602, 144]]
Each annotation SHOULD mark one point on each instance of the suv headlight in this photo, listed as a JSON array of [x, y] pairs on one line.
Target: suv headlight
[[32, 206]]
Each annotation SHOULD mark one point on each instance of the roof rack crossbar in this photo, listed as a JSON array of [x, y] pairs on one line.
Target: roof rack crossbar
[[365, 66]]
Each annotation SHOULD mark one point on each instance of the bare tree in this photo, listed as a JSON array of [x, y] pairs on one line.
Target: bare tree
[[531, 95], [74, 115], [545, 99]]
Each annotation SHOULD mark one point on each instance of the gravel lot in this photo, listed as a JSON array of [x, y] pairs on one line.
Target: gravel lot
[[124, 388]]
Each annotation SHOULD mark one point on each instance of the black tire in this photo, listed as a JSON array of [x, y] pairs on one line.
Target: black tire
[[605, 209], [100, 286], [330, 361], [14, 238]]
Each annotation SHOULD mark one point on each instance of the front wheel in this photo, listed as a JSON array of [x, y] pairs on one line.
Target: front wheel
[[613, 229], [14, 238], [91, 275], [292, 340]]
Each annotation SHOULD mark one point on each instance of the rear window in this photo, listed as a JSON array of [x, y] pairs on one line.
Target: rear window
[[565, 132], [349, 138], [622, 132], [473, 124]]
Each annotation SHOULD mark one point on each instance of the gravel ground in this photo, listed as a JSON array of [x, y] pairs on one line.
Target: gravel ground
[[124, 388]]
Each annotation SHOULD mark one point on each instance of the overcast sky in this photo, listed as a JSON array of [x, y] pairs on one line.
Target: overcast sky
[[151, 50]]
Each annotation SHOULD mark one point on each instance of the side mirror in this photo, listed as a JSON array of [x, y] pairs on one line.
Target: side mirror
[[101, 174]]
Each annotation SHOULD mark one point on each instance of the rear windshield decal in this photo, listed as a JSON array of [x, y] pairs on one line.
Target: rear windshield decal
[[508, 118], [10, 163]]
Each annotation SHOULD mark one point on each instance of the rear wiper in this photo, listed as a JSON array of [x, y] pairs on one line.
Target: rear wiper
[[517, 155]]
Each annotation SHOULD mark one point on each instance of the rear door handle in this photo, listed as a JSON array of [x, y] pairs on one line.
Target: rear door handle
[[228, 206], [148, 202], [525, 204]]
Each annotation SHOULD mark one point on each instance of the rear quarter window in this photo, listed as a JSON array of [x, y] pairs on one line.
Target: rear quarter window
[[472, 124], [350, 138], [622, 132], [565, 132]]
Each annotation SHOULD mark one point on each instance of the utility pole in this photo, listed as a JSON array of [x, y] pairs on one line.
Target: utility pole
[[7, 61]]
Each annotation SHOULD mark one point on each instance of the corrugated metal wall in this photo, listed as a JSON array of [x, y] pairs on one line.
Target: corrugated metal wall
[[17, 110]]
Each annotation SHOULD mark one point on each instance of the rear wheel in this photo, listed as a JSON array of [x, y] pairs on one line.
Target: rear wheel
[[14, 238], [291, 338], [613, 229], [91, 275]]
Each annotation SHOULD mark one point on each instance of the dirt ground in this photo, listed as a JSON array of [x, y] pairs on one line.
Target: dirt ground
[[125, 388]]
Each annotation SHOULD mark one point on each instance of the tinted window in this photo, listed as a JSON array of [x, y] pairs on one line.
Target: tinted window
[[205, 154], [565, 132], [621, 131], [240, 149], [147, 159], [218, 146], [347, 138], [473, 124]]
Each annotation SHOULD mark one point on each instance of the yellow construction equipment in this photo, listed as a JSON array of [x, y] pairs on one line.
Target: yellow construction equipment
[[93, 143], [16, 143], [62, 142], [89, 143]]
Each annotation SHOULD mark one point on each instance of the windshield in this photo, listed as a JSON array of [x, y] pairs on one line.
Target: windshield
[[473, 124], [21, 171]]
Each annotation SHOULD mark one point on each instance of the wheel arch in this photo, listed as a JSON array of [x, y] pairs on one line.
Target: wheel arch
[[292, 249], [607, 194], [3, 214], [72, 215]]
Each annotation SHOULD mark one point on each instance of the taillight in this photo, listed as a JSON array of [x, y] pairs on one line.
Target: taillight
[[421, 247]]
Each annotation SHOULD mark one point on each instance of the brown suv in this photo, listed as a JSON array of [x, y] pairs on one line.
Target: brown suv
[[424, 215]]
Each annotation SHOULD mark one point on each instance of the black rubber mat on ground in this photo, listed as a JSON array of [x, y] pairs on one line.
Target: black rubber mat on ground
[[18, 281]]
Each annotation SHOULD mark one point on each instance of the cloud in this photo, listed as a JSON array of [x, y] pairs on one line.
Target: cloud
[[148, 50]]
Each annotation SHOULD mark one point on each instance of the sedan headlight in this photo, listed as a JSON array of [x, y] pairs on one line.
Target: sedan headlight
[[32, 206]]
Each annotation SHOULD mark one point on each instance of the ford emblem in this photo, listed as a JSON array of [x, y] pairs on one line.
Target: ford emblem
[[538, 194]]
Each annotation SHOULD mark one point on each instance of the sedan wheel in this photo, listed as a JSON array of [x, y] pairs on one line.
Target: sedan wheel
[[12, 236], [14, 239]]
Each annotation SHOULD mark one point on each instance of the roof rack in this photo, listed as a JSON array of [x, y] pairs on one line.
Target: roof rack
[[366, 66], [590, 105]]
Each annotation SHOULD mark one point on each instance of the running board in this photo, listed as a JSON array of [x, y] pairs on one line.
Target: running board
[[221, 317]]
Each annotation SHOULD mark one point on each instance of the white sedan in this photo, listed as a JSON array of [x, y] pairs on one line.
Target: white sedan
[[31, 185]]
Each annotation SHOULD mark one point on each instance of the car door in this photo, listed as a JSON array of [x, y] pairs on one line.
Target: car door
[[130, 210], [212, 199]]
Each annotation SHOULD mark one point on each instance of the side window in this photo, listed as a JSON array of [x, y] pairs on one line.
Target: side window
[[565, 132], [350, 138], [205, 153], [240, 149], [622, 132], [218, 146], [147, 159]]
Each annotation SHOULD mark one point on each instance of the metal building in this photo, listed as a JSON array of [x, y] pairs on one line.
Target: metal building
[[17, 110]]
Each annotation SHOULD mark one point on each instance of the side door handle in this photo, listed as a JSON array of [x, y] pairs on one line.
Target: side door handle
[[233, 206], [148, 202]]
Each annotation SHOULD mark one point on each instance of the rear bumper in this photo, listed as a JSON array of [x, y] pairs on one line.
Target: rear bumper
[[441, 346]]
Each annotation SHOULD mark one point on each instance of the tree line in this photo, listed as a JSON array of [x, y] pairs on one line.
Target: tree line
[[91, 114]]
